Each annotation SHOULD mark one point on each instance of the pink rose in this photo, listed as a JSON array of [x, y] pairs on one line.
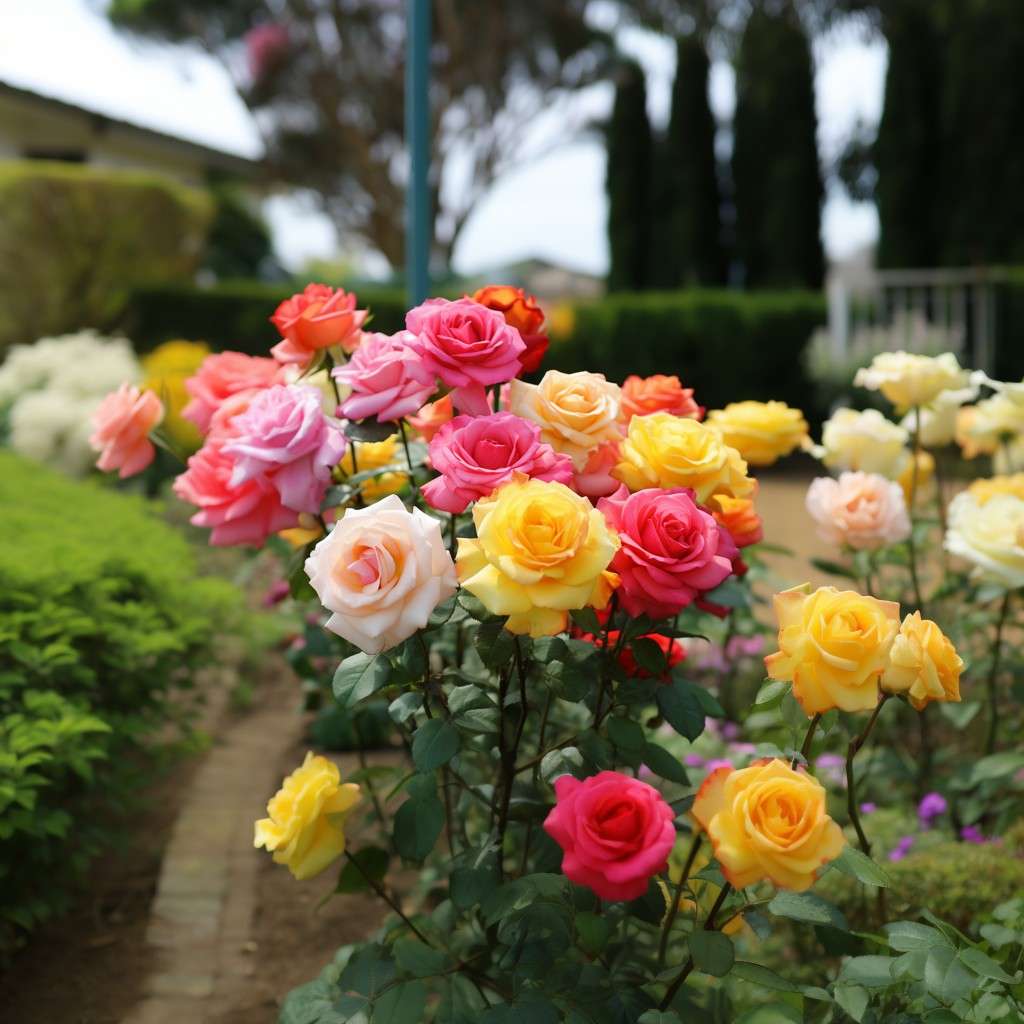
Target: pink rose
[[239, 514], [862, 510], [595, 480], [616, 833], [381, 571], [284, 436], [316, 318], [222, 375], [476, 454], [387, 377], [672, 551], [467, 346], [121, 426]]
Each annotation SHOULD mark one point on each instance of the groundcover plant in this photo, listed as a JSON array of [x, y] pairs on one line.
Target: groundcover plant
[[557, 588]]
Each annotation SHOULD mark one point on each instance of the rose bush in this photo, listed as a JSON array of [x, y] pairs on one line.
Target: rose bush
[[608, 801]]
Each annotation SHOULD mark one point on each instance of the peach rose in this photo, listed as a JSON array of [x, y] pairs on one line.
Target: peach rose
[[121, 427], [576, 412], [862, 510], [643, 395], [316, 318], [833, 646], [381, 571], [740, 517], [768, 822]]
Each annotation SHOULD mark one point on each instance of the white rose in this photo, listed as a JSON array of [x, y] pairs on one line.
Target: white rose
[[908, 379], [863, 441], [938, 420], [381, 570], [990, 535]]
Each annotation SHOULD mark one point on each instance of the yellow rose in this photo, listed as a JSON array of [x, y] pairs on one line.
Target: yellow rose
[[576, 412], [991, 535], [923, 663], [540, 551], [908, 379], [833, 646], [925, 472], [768, 821], [374, 455], [166, 369], [306, 827], [985, 490], [662, 450], [761, 432], [864, 441]]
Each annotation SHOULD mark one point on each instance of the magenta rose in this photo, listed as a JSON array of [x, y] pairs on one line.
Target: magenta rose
[[672, 550], [285, 437], [467, 346], [615, 833], [476, 454], [245, 513], [387, 376]]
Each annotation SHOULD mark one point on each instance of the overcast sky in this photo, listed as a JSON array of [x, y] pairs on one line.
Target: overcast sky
[[553, 208]]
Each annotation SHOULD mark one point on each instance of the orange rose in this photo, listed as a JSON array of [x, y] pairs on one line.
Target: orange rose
[[738, 516], [432, 417], [644, 395], [521, 312], [768, 821], [316, 318]]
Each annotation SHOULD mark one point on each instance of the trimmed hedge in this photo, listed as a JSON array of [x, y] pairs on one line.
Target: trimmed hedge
[[74, 239], [102, 623], [233, 314], [727, 345]]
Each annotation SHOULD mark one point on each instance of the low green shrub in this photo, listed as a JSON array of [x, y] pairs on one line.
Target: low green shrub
[[234, 314], [727, 345], [102, 623], [74, 239]]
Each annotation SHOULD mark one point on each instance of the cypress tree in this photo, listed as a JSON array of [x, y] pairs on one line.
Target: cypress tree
[[628, 182], [688, 245], [776, 175], [909, 148]]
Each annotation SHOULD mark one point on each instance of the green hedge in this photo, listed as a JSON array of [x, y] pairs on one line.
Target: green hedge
[[727, 345], [102, 623], [74, 239], [233, 314]]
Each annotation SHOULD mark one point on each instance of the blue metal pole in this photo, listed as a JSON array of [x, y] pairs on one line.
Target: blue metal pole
[[417, 136]]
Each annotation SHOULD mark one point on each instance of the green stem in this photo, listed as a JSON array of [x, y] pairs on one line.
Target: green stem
[[408, 460], [911, 543], [673, 910], [993, 673], [851, 781], [805, 749], [390, 901], [709, 926]]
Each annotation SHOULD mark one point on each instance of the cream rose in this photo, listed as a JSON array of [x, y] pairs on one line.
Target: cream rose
[[863, 440], [862, 510], [908, 379], [576, 412], [938, 420], [990, 535], [382, 570]]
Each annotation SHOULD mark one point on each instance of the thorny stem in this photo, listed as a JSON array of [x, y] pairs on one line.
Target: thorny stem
[[673, 910]]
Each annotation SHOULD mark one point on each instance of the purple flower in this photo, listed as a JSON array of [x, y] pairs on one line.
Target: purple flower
[[971, 834], [833, 767], [742, 749], [693, 760], [902, 848], [730, 730], [868, 808], [718, 763], [932, 805]]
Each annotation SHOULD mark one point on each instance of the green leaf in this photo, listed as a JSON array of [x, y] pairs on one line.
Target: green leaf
[[563, 761], [730, 594], [649, 656], [469, 886], [594, 931], [868, 971], [995, 766], [402, 708], [626, 734], [712, 952], [374, 862], [756, 974], [771, 694], [418, 823], [494, 643], [659, 1017], [586, 619], [905, 936], [435, 743], [771, 1013], [418, 959], [833, 568], [370, 429], [852, 1000], [662, 763], [806, 906], [360, 676], [858, 865], [403, 1003], [984, 965], [680, 707]]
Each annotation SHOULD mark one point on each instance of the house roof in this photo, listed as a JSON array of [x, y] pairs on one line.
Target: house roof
[[211, 157]]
